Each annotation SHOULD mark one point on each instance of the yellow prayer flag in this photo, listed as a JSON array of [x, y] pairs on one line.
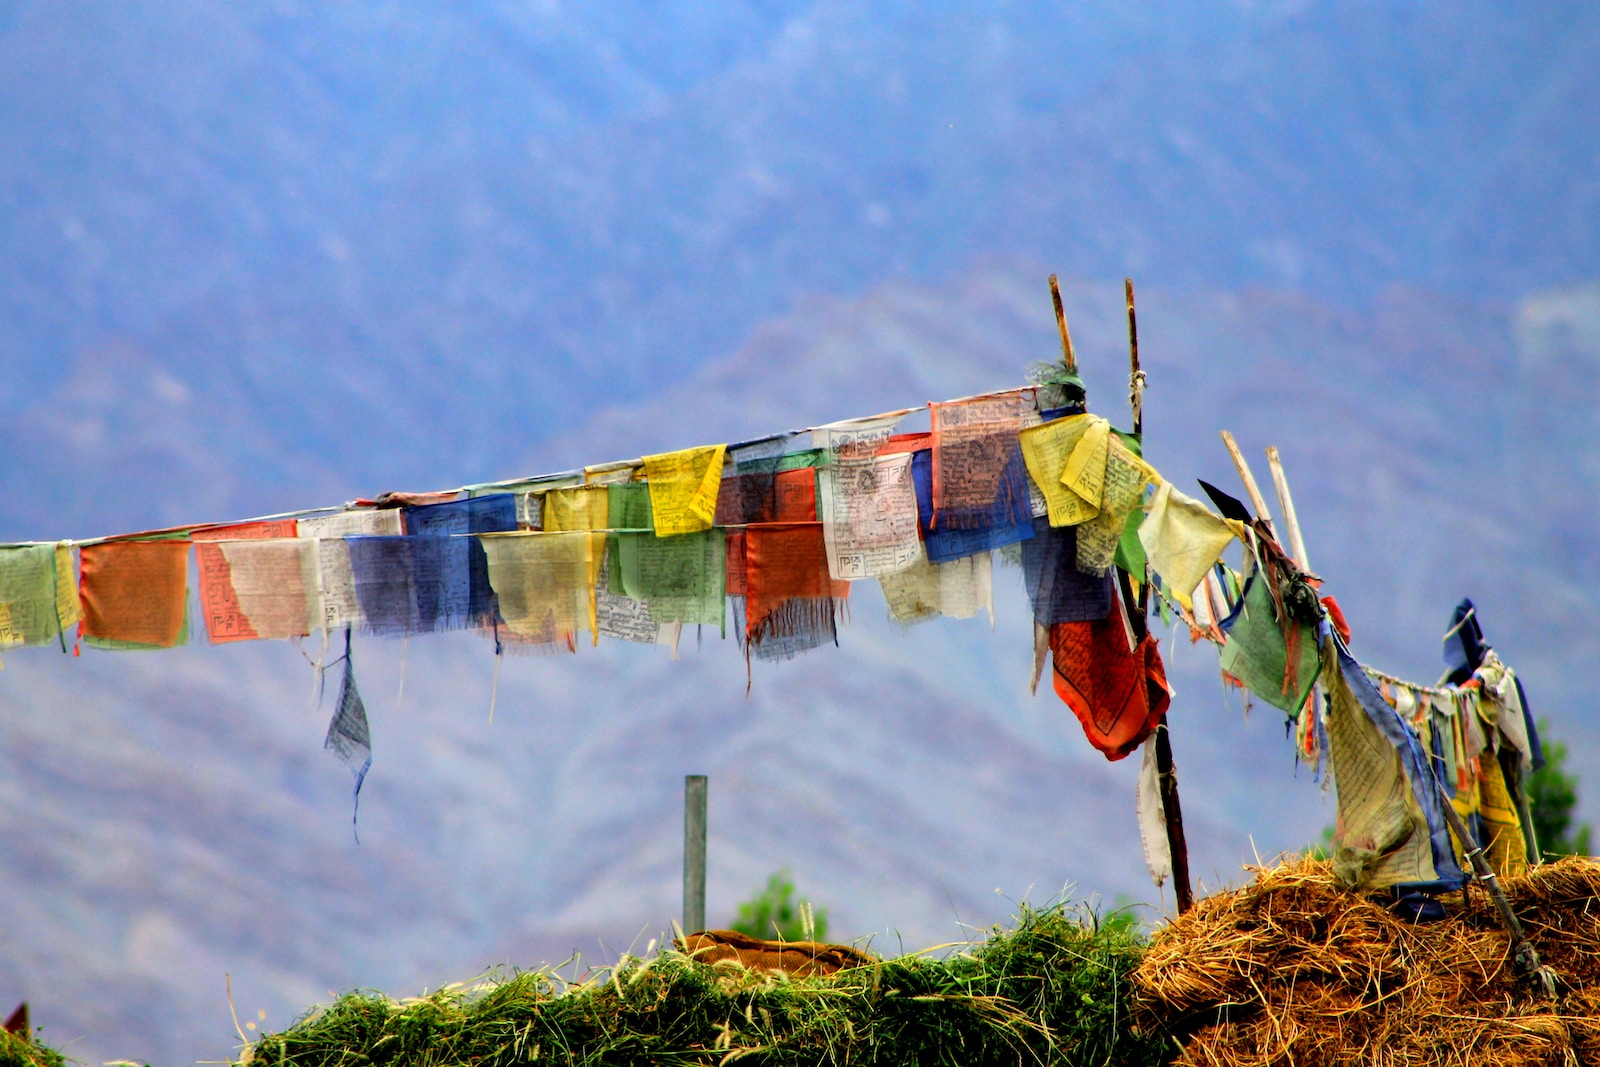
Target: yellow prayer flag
[[1046, 449], [1182, 539], [683, 488], [583, 507], [1085, 470], [68, 610]]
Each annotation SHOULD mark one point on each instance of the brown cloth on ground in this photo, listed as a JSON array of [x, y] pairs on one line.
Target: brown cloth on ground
[[792, 957], [1118, 694]]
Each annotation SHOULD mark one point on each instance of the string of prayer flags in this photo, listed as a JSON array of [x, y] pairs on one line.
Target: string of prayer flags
[[956, 590], [683, 488], [219, 602], [1258, 653], [979, 477], [1182, 540], [1115, 686], [135, 593], [1058, 590], [38, 594], [790, 598], [544, 583], [349, 737]]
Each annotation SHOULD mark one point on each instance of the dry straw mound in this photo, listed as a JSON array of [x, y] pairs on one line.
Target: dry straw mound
[[1293, 970]]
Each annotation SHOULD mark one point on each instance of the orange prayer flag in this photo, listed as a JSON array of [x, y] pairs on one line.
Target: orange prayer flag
[[134, 591], [786, 565]]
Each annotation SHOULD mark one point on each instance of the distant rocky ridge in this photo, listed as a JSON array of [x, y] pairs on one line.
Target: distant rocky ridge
[[170, 817]]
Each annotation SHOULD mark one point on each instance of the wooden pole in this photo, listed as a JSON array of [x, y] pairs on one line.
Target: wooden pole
[[1068, 356], [1257, 501], [1166, 769], [694, 853], [1286, 506]]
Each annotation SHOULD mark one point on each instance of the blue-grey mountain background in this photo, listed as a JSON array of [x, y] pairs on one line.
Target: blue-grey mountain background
[[263, 256]]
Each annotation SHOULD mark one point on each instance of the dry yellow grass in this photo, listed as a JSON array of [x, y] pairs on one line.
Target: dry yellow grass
[[1292, 970]]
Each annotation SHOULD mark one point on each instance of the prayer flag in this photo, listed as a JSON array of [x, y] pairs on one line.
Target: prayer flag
[[683, 488], [923, 591], [790, 596], [1118, 693], [1047, 449], [1257, 651], [978, 469], [1058, 590], [219, 604], [544, 583], [1182, 539], [1009, 523], [869, 516], [38, 594], [135, 593]]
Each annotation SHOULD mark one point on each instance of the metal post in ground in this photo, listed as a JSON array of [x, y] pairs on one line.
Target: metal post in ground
[[694, 852]]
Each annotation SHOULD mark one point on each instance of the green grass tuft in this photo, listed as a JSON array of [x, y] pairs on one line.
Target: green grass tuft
[[1053, 990], [17, 1051]]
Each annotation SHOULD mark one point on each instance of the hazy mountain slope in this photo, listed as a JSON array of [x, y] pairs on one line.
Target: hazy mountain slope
[[322, 224], [170, 817]]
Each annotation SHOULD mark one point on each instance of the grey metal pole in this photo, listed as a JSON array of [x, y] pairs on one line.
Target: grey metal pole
[[694, 852]]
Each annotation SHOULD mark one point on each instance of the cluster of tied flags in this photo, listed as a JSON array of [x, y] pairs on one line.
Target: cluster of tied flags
[[767, 538]]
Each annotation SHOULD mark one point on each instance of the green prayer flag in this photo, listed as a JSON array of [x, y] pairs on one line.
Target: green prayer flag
[[681, 579], [1256, 654], [28, 603]]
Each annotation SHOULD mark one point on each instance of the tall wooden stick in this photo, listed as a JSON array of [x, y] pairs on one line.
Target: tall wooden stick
[[1257, 501], [1286, 507], [1068, 356], [1166, 769]]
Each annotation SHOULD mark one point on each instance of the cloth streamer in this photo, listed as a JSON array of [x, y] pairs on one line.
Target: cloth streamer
[[1182, 539], [1059, 591], [683, 488], [349, 737], [544, 583], [219, 602], [134, 593], [1118, 693], [790, 598], [923, 591], [1152, 814], [38, 594]]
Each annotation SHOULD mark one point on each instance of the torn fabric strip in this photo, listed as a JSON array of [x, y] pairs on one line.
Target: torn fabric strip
[[349, 737], [1152, 815]]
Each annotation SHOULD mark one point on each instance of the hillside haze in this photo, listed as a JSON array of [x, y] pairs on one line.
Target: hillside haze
[[270, 256]]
